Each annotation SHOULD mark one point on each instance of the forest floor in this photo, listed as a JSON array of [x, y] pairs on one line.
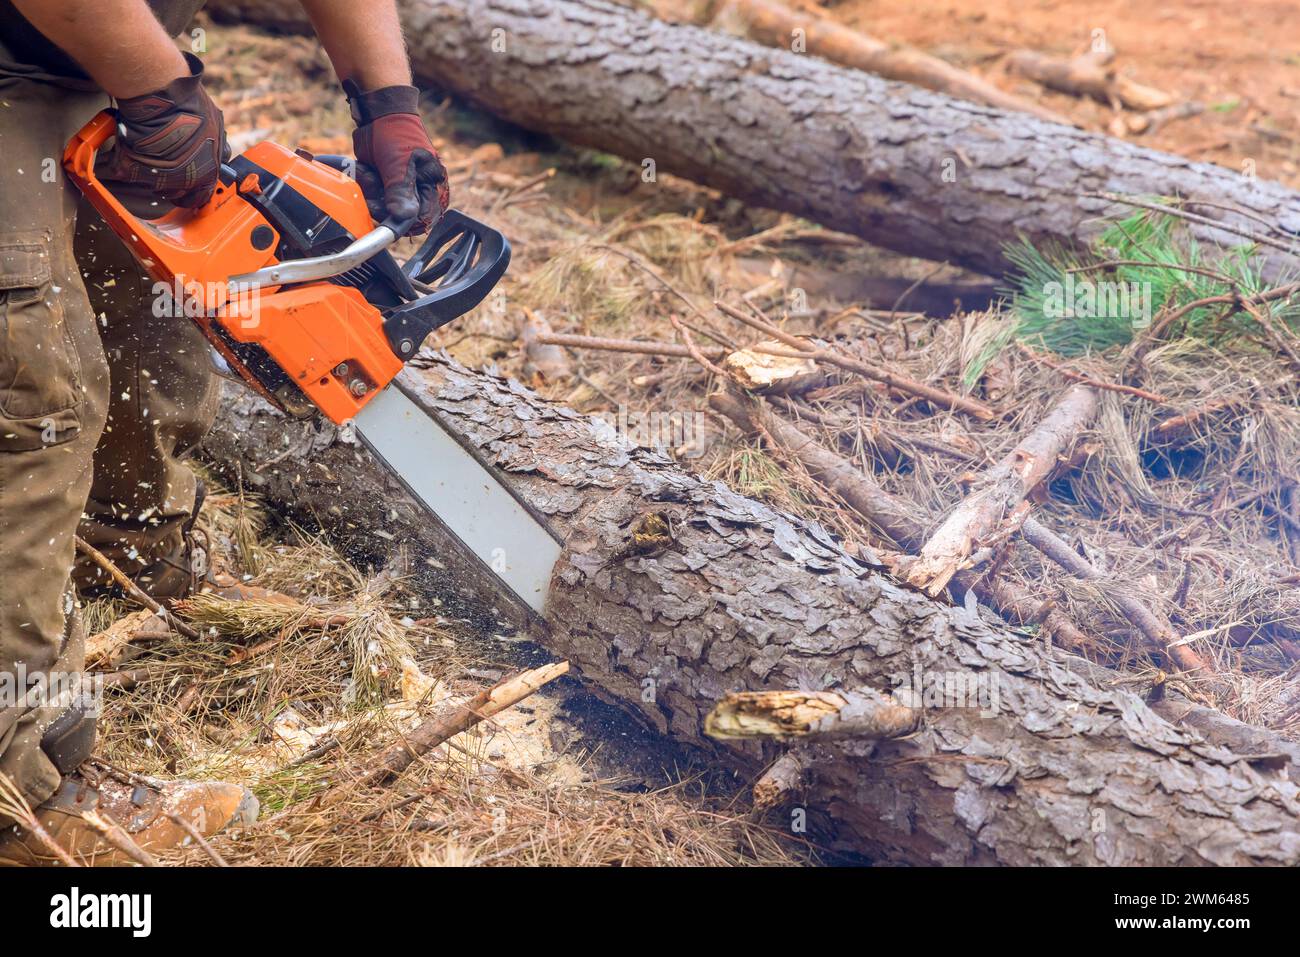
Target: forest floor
[[1208, 530]]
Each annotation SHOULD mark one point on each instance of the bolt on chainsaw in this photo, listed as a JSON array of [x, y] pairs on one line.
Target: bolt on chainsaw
[[295, 288]]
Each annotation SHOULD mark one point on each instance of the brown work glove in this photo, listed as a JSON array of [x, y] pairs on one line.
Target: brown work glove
[[171, 141], [398, 168]]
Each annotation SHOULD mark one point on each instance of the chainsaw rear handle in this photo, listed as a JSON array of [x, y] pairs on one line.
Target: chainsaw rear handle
[[82, 150]]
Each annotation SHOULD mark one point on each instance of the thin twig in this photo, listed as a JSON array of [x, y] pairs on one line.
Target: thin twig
[[802, 349], [1279, 337], [653, 273], [1088, 380], [199, 839], [693, 349], [635, 346], [1194, 218], [893, 312], [132, 589], [1150, 264], [13, 803], [113, 834]]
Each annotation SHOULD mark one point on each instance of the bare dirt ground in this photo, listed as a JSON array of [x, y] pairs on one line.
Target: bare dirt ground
[[1241, 60]]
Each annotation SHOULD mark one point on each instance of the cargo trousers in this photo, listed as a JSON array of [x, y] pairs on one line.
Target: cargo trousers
[[103, 391]]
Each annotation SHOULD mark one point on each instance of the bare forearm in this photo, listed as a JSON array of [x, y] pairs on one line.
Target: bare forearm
[[120, 43], [363, 40]]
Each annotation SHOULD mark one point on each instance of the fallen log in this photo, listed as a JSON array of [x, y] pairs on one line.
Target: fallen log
[[1024, 755], [904, 168]]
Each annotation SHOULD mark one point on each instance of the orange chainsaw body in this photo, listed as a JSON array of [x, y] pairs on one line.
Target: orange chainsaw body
[[327, 339]]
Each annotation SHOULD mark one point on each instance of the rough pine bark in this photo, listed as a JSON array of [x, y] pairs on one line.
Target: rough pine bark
[[904, 168], [1024, 755]]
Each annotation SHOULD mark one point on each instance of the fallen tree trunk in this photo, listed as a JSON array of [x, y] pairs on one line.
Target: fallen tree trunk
[[1023, 755], [904, 168]]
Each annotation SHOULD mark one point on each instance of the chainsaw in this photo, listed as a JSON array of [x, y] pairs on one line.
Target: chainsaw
[[296, 290]]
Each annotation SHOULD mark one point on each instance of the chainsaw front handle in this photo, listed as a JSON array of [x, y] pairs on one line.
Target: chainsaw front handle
[[329, 330], [319, 267]]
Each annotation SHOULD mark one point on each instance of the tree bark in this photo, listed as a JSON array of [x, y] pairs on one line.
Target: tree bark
[[901, 167], [1024, 755]]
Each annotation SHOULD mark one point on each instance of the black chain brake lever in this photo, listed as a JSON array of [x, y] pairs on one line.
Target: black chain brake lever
[[462, 259]]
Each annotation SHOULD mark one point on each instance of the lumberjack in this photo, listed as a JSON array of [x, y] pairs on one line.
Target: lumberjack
[[95, 416]]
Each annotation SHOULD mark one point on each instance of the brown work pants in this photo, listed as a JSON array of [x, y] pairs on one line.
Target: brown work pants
[[99, 399]]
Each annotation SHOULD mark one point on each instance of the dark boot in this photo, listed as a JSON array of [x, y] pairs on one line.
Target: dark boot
[[178, 574]]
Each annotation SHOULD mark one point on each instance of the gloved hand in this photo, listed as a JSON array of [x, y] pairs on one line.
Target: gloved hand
[[172, 141], [397, 167]]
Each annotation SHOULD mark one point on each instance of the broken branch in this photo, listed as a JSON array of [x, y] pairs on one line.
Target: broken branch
[[439, 728], [800, 348], [132, 589], [1001, 489]]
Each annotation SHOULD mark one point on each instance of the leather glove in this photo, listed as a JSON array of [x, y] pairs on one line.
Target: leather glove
[[171, 141], [397, 167]]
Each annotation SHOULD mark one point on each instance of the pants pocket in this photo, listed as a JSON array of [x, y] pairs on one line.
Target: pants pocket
[[40, 373]]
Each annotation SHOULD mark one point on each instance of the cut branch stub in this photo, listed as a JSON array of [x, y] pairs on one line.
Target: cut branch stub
[[778, 782], [760, 371], [865, 714]]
